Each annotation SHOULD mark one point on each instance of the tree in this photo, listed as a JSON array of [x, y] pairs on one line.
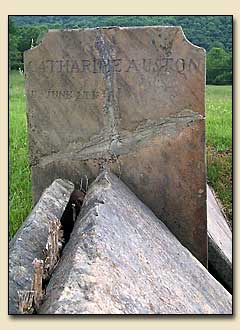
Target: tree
[[14, 53], [219, 67]]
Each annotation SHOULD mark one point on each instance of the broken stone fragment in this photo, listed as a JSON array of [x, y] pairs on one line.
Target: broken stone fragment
[[121, 259], [219, 242], [31, 239]]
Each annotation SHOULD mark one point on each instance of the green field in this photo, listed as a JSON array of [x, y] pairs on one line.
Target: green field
[[219, 149], [20, 202], [219, 143]]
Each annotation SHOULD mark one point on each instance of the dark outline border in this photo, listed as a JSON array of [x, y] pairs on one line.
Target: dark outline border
[[134, 316]]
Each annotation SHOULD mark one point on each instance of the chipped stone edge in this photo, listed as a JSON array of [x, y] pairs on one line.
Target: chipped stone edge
[[189, 42]]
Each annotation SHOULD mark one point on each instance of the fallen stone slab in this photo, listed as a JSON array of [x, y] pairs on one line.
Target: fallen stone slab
[[121, 259], [30, 240], [219, 242]]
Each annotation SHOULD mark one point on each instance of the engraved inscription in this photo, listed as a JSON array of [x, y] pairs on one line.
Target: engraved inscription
[[33, 93], [117, 65], [91, 94], [60, 94]]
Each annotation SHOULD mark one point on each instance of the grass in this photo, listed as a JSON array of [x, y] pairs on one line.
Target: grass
[[219, 143], [20, 201], [218, 137]]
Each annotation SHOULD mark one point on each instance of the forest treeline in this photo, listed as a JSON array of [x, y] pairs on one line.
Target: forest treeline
[[214, 33]]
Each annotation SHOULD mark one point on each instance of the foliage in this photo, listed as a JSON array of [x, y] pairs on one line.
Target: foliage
[[22, 38], [219, 65], [214, 33], [201, 30], [14, 53]]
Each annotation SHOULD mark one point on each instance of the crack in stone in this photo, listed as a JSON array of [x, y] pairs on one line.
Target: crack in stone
[[100, 148], [111, 108]]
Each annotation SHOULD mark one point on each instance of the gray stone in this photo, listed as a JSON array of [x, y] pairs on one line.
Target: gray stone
[[219, 242], [121, 259], [31, 238], [132, 98]]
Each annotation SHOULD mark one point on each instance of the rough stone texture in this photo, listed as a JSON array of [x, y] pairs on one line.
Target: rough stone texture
[[132, 98], [219, 242], [121, 259], [31, 239]]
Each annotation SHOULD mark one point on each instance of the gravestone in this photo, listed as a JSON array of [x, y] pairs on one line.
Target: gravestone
[[131, 99]]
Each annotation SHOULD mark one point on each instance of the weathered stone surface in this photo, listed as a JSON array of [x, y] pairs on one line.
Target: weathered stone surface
[[121, 259], [31, 239], [219, 242], [132, 98]]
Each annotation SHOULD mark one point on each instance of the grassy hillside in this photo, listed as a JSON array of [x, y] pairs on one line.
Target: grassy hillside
[[219, 146]]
